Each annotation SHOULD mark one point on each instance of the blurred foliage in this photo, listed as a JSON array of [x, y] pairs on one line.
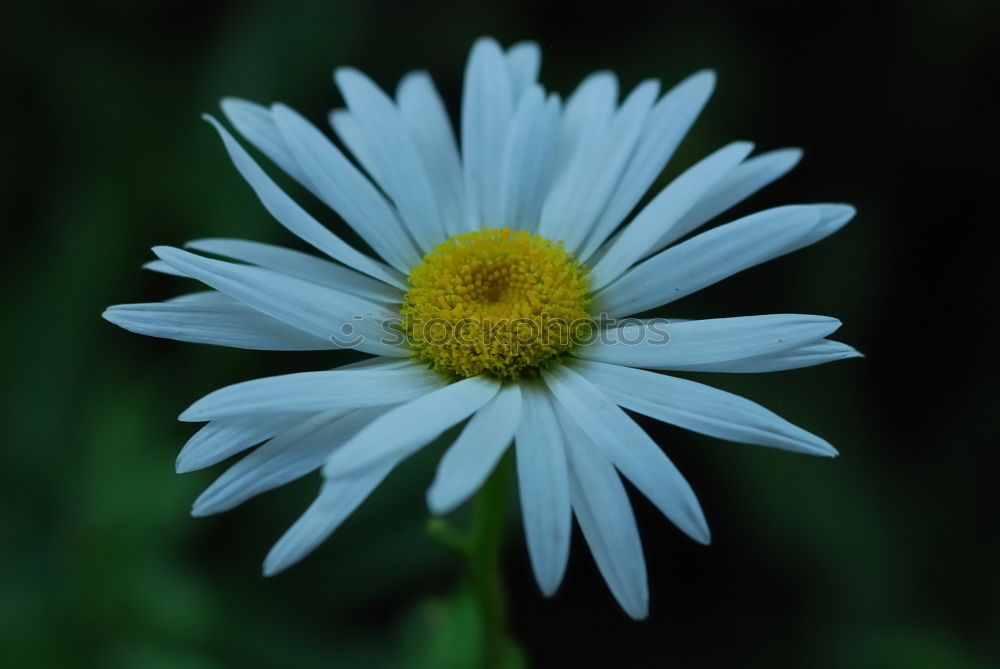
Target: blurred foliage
[[886, 557]]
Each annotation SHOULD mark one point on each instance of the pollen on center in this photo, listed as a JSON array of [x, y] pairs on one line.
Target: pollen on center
[[495, 301]]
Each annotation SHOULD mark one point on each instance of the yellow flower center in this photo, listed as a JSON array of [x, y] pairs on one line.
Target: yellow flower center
[[496, 301]]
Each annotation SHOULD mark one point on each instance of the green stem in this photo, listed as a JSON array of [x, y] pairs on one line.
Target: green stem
[[484, 545], [480, 546]]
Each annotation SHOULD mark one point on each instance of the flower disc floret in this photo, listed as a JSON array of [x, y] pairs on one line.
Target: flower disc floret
[[495, 301]]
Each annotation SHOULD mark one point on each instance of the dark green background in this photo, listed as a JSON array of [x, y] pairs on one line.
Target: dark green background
[[885, 557]]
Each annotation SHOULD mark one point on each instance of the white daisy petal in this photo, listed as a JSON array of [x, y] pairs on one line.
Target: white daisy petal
[[203, 297], [162, 268], [603, 510], [427, 120], [313, 392], [283, 458], [664, 211], [257, 126], [299, 265], [524, 60], [806, 355], [345, 190], [291, 454], [631, 450], [695, 406], [543, 485], [833, 218], [660, 344], [487, 109], [468, 462], [349, 133], [602, 168], [707, 258], [326, 313], [587, 113], [741, 182], [336, 501], [666, 126], [230, 324], [528, 159], [379, 362], [586, 122], [406, 428], [295, 218], [223, 438], [394, 153]]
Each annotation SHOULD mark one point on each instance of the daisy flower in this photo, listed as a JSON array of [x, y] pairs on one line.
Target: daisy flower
[[490, 294]]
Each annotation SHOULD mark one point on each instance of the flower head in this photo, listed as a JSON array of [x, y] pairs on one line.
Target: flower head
[[503, 271], [495, 301]]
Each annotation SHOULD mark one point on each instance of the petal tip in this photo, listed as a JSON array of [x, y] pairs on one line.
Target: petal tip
[[707, 76], [231, 105], [638, 613], [164, 250], [271, 567], [794, 153], [485, 42], [836, 215], [548, 589], [345, 76], [436, 504], [281, 108], [525, 44], [823, 449], [183, 465]]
